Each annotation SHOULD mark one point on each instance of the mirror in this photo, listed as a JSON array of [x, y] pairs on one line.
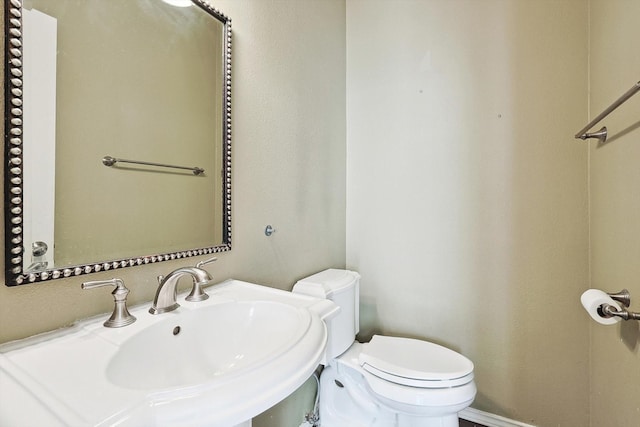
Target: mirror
[[117, 135]]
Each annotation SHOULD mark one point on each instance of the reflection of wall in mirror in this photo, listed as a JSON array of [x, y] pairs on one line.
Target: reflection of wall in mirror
[[135, 80], [39, 130]]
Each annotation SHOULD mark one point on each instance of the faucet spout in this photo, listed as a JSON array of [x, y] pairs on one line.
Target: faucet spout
[[166, 295]]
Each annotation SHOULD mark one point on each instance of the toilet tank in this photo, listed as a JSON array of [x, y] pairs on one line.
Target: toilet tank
[[343, 288]]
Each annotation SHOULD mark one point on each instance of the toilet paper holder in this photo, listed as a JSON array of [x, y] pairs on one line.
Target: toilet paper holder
[[624, 298]]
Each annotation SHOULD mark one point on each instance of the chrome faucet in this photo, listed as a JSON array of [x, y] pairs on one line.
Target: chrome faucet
[[166, 295]]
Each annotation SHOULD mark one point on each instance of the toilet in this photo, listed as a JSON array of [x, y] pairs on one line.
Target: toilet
[[389, 381]]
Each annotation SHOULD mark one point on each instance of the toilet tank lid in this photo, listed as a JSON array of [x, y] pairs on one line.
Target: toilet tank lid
[[415, 359], [326, 283]]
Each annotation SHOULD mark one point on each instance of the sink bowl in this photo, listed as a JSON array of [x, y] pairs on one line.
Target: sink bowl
[[216, 342]]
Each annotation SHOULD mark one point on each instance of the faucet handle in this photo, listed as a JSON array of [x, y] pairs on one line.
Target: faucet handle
[[197, 294], [120, 316], [206, 261]]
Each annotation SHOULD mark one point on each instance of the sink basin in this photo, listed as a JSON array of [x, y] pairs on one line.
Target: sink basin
[[219, 341], [214, 363]]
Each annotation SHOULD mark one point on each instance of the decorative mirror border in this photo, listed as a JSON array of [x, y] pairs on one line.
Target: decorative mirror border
[[13, 174]]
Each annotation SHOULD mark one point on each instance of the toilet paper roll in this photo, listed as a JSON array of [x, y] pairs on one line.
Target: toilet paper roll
[[592, 299]]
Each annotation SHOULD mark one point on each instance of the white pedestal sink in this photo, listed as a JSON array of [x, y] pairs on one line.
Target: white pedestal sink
[[218, 362]]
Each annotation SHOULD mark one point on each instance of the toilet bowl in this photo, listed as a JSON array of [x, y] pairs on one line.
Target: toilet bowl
[[389, 381]]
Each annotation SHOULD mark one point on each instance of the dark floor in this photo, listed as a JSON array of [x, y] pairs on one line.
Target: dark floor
[[465, 423]]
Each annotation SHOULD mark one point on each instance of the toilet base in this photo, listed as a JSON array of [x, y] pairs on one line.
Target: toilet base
[[346, 401]]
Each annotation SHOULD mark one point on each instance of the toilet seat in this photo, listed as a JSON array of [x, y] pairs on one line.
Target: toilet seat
[[415, 363], [404, 397]]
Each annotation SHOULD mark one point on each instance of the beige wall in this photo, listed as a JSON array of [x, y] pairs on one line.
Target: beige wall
[[466, 192], [615, 209], [288, 169]]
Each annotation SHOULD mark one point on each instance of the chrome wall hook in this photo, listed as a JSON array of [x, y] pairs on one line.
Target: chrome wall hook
[[269, 230]]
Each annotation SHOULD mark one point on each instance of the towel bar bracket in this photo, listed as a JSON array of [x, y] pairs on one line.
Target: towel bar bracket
[[601, 135]]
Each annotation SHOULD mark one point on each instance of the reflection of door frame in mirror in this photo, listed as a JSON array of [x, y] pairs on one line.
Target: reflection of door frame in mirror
[[39, 45], [14, 163]]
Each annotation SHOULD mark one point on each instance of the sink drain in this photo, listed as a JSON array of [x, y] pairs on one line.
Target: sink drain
[[176, 330]]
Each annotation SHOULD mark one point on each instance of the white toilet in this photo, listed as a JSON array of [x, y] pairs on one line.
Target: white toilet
[[390, 381]]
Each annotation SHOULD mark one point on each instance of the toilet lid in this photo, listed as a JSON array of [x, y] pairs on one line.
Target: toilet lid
[[415, 362]]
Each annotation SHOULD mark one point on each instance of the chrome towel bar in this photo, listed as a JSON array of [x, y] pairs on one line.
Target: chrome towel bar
[[110, 161], [602, 133]]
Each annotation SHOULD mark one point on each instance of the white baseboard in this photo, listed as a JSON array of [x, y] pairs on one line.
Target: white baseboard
[[489, 420]]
